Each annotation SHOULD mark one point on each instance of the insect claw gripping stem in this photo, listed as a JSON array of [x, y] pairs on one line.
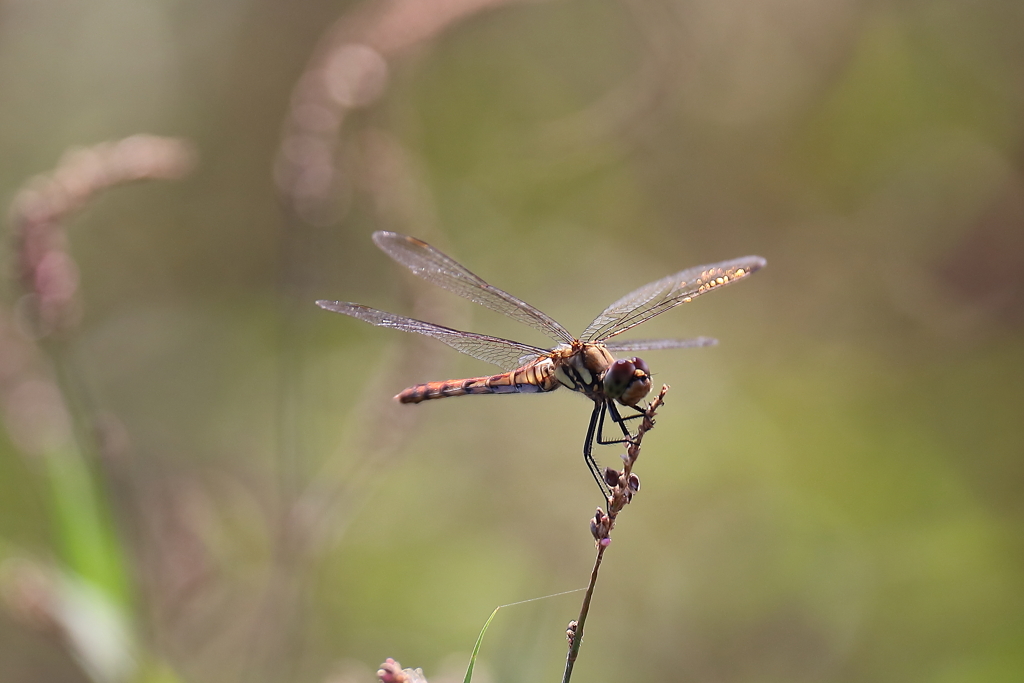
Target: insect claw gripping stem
[[595, 434]]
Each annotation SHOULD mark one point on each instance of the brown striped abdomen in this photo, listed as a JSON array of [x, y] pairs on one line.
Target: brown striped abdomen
[[529, 379]]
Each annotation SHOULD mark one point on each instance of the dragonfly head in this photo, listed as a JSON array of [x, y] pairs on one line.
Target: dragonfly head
[[627, 381]]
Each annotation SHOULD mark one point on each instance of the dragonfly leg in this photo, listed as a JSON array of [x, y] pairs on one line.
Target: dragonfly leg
[[609, 407], [640, 412], [588, 447]]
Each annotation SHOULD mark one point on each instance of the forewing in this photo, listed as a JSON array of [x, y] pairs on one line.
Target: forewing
[[658, 344], [657, 297], [430, 264], [506, 354]]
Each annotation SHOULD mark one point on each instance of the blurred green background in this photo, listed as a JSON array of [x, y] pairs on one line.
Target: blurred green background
[[831, 494]]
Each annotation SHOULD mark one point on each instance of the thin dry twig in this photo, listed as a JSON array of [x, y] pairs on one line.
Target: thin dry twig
[[37, 398], [350, 70], [45, 270], [624, 485]]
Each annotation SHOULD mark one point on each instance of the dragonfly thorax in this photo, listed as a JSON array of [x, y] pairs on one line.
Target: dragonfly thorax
[[591, 369]]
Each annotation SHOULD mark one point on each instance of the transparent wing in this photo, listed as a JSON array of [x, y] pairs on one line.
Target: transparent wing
[[430, 264], [658, 344], [657, 297], [507, 355]]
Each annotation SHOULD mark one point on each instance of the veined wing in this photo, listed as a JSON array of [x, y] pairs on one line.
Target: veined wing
[[430, 264], [507, 355], [658, 344], [659, 296]]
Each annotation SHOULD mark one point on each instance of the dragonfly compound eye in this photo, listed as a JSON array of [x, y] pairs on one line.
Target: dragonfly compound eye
[[618, 378], [639, 384]]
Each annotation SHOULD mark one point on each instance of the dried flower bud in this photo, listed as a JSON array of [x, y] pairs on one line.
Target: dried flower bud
[[392, 672], [611, 476], [600, 525], [633, 483]]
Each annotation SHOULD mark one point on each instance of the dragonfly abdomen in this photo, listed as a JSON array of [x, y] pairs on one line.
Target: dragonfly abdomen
[[530, 379]]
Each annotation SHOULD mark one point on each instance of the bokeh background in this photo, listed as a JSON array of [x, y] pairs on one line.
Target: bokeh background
[[203, 478]]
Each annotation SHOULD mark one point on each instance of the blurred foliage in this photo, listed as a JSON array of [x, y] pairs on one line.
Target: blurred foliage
[[832, 493]]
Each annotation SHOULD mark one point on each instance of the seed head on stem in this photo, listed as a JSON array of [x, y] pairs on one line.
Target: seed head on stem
[[624, 485]]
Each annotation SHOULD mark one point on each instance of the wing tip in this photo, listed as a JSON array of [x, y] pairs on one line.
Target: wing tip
[[338, 306], [382, 238], [755, 263]]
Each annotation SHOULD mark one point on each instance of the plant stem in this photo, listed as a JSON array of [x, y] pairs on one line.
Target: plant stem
[[620, 497], [574, 649]]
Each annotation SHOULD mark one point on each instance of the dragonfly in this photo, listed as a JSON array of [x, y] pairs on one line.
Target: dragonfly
[[585, 364]]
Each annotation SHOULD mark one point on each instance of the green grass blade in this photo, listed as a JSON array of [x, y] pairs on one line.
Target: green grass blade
[[479, 642], [480, 638]]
